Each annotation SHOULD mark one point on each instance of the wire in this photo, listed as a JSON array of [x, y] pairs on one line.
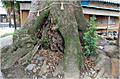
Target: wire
[[55, 4]]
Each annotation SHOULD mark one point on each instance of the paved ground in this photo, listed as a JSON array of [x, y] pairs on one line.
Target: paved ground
[[4, 30], [5, 41], [1, 76]]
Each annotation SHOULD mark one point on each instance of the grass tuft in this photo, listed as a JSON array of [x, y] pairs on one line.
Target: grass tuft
[[6, 34]]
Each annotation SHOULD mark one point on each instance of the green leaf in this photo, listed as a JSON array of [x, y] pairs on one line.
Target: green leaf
[[90, 37]]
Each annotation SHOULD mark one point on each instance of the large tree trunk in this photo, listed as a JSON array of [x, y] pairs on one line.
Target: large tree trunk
[[68, 27], [69, 22]]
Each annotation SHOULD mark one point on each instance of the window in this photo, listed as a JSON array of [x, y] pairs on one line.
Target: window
[[3, 18], [112, 20], [98, 20], [102, 19]]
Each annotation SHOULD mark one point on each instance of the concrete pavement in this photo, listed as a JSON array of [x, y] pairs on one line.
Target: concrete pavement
[[3, 42], [6, 41], [4, 30]]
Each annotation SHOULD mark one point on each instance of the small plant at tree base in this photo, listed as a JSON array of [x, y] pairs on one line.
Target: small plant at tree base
[[17, 31], [46, 43], [45, 40], [91, 37]]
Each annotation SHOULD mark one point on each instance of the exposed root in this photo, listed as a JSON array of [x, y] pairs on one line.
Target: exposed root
[[11, 59], [27, 58]]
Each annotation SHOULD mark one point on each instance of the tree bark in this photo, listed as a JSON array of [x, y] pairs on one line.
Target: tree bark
[[10, 20], [24, 39], [81, 20], [14, 19], [19, 16], [9, 16], [69, 21]]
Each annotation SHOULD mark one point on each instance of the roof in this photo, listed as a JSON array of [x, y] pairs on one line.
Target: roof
[[108, 1], [93, 6]]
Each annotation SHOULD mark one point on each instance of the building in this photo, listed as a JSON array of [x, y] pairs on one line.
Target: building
[[3, 16], [24, 10], [106, 11]]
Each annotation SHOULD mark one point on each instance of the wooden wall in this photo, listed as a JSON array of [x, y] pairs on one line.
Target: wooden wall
[[24, 15], [24, 11], [87, 17]]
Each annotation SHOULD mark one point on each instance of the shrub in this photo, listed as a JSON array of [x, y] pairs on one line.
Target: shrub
[[91, 37]]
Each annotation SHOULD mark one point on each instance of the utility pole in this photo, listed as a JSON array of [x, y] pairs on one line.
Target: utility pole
[[107, 26]]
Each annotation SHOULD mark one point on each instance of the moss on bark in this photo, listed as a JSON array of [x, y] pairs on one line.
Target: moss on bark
[[68, 27], [10, 59], [23, 43], [69, 21]]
